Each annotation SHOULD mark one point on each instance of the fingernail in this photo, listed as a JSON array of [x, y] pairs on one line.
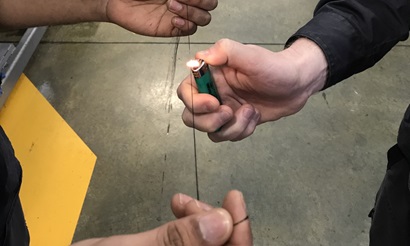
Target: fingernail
[[175, 5], [203, 53], [214, 226], [243, 201], [202, 206], [183, 199], [179, 22], [196, 203], [257, 116], [248, 113]]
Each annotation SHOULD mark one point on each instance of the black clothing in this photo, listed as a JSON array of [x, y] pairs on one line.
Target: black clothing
[[404, 136], [391, 213], [390, 216], [13, 230], [354, 35]]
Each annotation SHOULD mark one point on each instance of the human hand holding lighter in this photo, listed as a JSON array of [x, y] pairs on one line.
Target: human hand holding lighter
[[256, 85]]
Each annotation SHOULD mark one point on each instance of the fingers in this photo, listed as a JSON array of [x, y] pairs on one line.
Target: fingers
[[182, 27], [212, 228], [205, 226], [208, 228], [183, 205], [193, 11], [234, 126], [242, 125], [190, 14], [226, 52], [209, 114], [250, 60], [202, 103], [234, 203], [202, 4], [208, 122]]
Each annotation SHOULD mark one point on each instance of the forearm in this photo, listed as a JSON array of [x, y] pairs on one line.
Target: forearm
[[124, 240], [354, 35], [17, 14]]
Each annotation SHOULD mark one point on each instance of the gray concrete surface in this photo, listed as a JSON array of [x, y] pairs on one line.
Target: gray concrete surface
[[309, 179]]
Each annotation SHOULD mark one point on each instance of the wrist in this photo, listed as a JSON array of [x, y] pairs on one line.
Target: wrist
[[102, 6], [310, 63], [15, 14]]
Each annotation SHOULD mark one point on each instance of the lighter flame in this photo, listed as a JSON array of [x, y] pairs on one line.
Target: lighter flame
[[192, 63]]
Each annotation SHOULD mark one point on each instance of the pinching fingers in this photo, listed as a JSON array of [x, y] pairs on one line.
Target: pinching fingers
[[240, 126], [202, 4], [183, 205]]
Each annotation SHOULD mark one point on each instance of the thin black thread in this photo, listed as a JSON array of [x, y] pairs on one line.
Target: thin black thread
[[237, 223], [194, 136], [189, 36], [193, 114], [168, 105], [171, 73]]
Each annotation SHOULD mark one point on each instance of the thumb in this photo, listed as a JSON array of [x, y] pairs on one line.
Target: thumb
[[225, 52], [211, 228]]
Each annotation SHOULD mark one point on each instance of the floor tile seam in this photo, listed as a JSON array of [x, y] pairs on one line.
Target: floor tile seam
[[148, 43], [160, 43]]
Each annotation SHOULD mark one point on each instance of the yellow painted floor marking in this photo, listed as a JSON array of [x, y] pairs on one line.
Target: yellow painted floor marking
[[57, 165]]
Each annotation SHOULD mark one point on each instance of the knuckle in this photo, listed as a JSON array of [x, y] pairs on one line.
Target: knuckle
[[213, 126], [179, 92], [176, 235], [187, 118], [246, 134], [214, 138], [224, 43]]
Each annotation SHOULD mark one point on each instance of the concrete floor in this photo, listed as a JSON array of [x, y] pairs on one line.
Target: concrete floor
[[309, 179]]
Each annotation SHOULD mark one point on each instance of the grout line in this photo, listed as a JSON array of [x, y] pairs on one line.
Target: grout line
[[133, 43], [158, 43], [162, 43]]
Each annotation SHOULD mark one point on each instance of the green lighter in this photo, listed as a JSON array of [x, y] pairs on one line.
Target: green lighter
[[203, 78]]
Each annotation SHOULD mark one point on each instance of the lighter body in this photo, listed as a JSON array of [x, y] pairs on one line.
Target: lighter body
[[204, 80]]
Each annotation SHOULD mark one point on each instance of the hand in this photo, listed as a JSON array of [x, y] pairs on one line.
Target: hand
[[160, 18], [197, 224], [256, 85], [241, 234]]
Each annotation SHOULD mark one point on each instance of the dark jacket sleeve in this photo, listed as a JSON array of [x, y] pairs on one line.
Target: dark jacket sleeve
[[355, 34]]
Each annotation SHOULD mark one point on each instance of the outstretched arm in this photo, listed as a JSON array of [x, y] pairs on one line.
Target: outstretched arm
[[21, 13], [162, 18], [197, 224]]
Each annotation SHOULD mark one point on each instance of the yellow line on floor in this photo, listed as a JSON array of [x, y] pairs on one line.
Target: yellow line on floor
[[57, 165]]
